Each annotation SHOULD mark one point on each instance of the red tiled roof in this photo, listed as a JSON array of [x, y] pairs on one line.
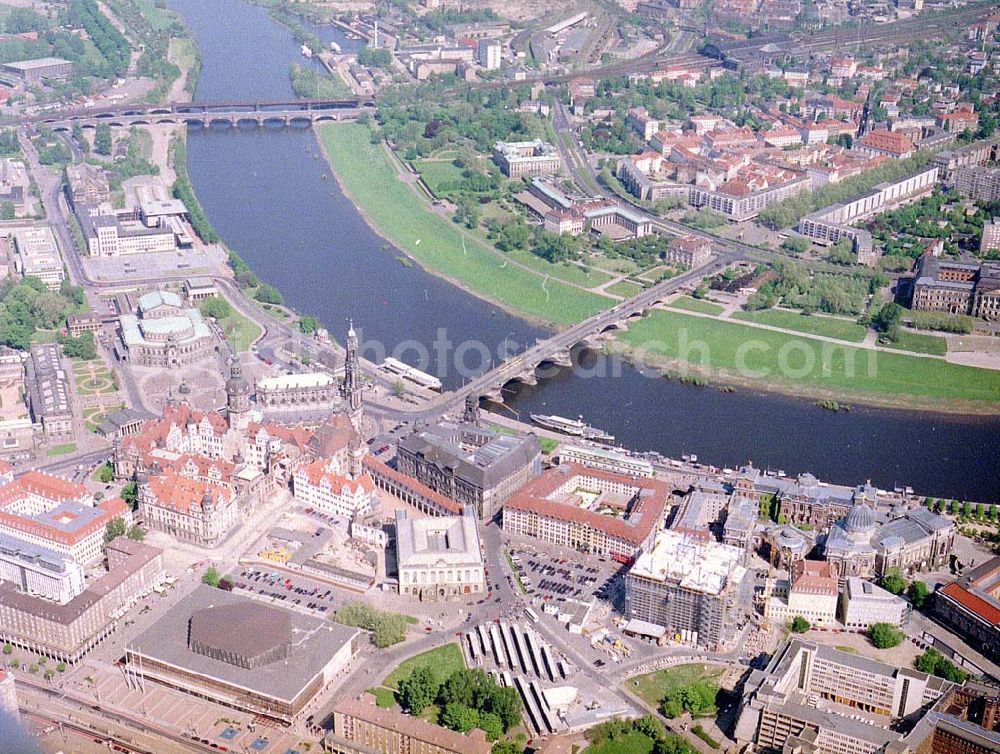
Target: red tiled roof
[[183, 493], [44, 485], [378, 469], [316, 472], [888, 141], [644, 516], [36, 526], [973, 603]]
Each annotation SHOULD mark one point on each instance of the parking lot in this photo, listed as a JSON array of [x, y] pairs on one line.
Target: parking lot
[[552, 577], [292, 591]]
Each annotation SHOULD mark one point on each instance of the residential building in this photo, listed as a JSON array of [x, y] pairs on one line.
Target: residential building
[[864, 603], [741, 199], [43, 511], [242, 653], [990, 239], [37, 255], [164, 333], [469, 463], [68, 631], [49, 397], [811, 592], [86, 186], [971, 606], [439, 557], [593, 511], [520, 158], [362, 727], [697, 590], [888, 143], [36, 71], [817, 699], [639, 120], [978, 182], [975, 154], [488, 53]]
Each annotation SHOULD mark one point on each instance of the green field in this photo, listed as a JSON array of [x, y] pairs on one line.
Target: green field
[[919, 343], [624, 288], [829, 327], [444, 660], [653, 687], [567, 271], [371, 180], [779, 359], [437, 173], [630, 743], [240, 331], [384, 697], [63, 449], [696, 305]]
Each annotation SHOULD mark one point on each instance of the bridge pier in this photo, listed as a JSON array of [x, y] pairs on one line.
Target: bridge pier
[[528, 378]]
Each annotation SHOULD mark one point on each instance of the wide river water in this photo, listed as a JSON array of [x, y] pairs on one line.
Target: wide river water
[[272, 199]]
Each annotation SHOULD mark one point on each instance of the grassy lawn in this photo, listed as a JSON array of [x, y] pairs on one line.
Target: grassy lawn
[[698, 306], [63, 449], [653, 687], [829, 327], [384, 697], [436, 173], [371, 180], [919, 343], [773, 357], [624, 288], [547, 444], [183, 51], [630, 743], [616, 265], [240, 331], [571, 273], [443, 660]]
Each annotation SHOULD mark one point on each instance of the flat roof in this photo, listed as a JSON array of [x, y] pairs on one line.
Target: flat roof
[[28, 65], [314, 643]]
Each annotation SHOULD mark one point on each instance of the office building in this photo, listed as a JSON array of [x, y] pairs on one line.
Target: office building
[[971, 606], [164, 333], [39, 570], [108, 235], [362, 727], [242, 653], [14, 182], [589, 510], [990, 239], [811, 592], [439, 557], [471, 464], [36, 71], [520, 158], [68, 631], [49, 398], [816, 699], [86, 186], [864, 603], [37, 255], [697, 590]]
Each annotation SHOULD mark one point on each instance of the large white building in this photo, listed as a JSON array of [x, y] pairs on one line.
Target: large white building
[[37, 255], [864, 603], [39, 570], [336, 482], [439, 557], [810, 593]]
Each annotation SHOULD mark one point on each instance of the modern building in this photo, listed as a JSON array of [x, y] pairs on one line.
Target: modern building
[[978, 182], [109, 235], [825, 701], [68, 631], [164, 333], [604, 459], [242, 653], [971, 606], [488, 53], [39, 570], [811, 593], [990, 239], [196, 511], [311, 390], [14, 182], [740, 200], [60, 516], [860, 544], [50, 400], [8, 696], [470, 464], [864, 603], [521, 158], [439, 557], [589, 510], [37, 255], [86, 186], [697, 590], [36, 71], [362, 727]]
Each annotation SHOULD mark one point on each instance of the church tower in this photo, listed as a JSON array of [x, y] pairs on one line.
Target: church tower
[[352, 388], [471, 415], [237, 397]]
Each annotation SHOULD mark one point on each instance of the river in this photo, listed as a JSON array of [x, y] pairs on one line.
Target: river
[[270, 196]]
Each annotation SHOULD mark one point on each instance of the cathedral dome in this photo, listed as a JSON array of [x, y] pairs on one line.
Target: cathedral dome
[[861, 518]]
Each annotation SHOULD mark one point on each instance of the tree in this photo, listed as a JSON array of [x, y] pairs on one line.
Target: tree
[[917, 593], [211, 576], [934, 663], [886, 319], [893, 581], [268, 294], [308, 325], [7, 210], [506, 747], [884, 635], [491, 725], [800, 625], [468, 686], [459, 717], [797, 244], [114, 529], [102, 139], [506, 704], [105, 472], [7, 648], [399, 388], [130, 494], [81, 347], [216, 307], [136, 533], [418, 690]]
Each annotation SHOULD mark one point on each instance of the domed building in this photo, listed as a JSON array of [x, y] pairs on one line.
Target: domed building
[[848, 545], [163, 333]]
